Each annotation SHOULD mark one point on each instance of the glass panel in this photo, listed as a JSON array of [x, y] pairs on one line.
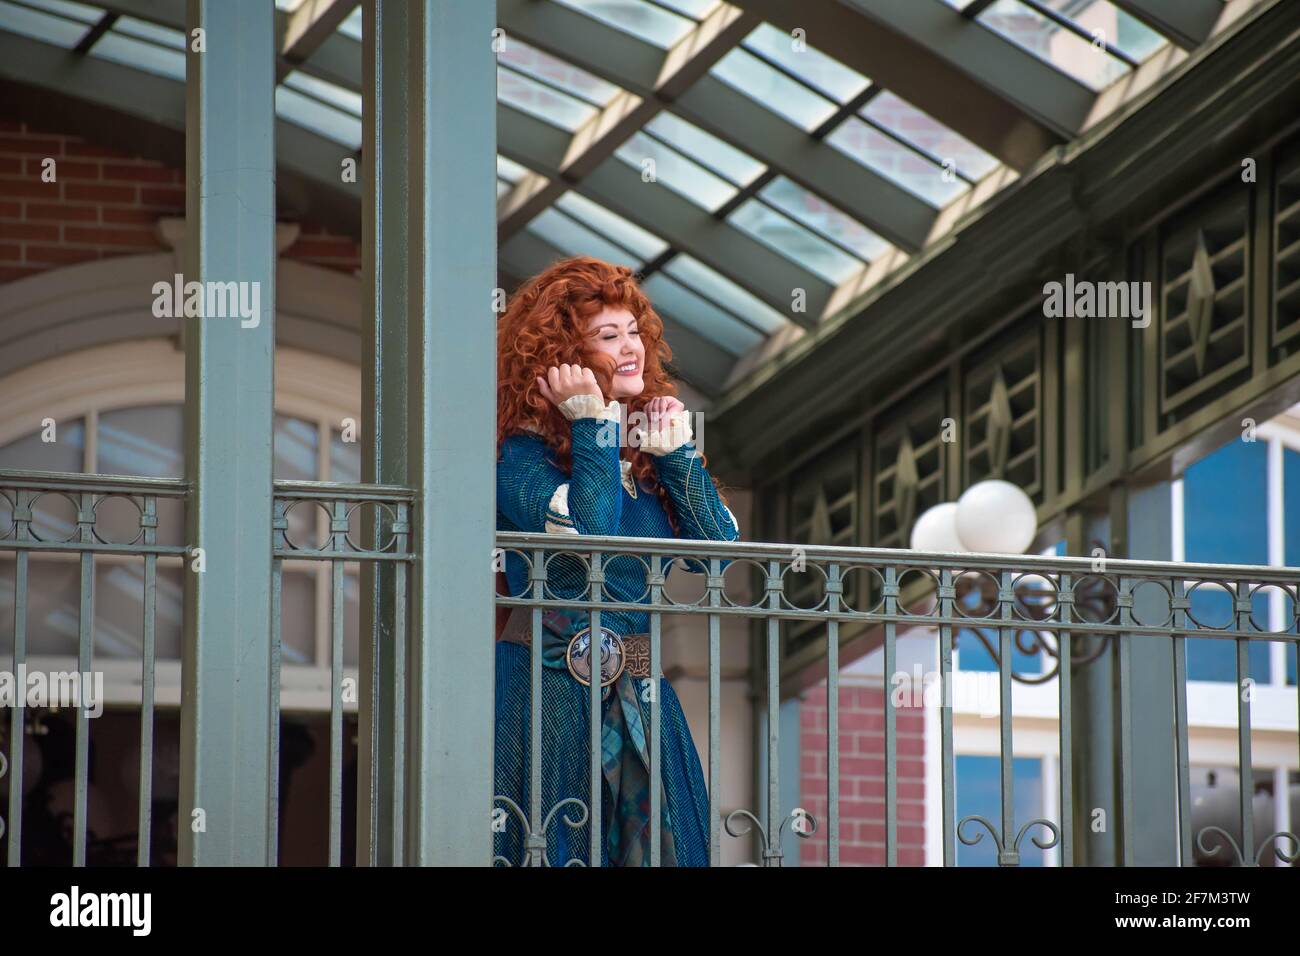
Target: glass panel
[[794, 241], [773, 89], [642, 243], [140, 55], [574, 239], [696, 9], [542, 101], [974, 656], [345, 458], [351, 618], [351, 27], [67, 452], [653, 24], [817, 69], [675, 171], [330, 93], [164, 36], [1107, 22], [298, 617], [146, 441], [297, 459], [65, 8], [119, 610], [64, 29], [723, 158], [509, 170], [52, 606], [696, 275], [316, 116], [542, 66], [896, 162], [672, 298], [1291, 507], [503, 187], [1052, 43], [817, 214], [928, 134]]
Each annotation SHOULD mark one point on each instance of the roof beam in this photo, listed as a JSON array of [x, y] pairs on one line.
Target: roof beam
[[1000, 97], [308, 27], [698, 361], [634, 64], [598, 139], [1187, 23], [652, 206]]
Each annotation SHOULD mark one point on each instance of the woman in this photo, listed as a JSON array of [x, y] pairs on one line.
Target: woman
[[577, 341]]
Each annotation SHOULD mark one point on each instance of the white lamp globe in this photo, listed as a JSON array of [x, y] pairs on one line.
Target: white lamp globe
[[996, 517], [936, 530]]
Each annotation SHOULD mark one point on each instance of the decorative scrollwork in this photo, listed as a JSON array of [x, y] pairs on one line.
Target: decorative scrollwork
[[1266, 844], [1008, 855], [772, 854], [535, 842]]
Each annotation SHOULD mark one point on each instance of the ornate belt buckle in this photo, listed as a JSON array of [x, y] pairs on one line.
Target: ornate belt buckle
[[613, 657]]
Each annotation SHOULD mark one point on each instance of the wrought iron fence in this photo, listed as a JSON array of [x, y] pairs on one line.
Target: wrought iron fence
[[1057, 600]]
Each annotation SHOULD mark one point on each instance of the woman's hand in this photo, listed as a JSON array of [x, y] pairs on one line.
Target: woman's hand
[[562, 382], [659, 410]]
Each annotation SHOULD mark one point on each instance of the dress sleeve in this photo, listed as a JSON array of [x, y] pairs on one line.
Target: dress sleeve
[[698, 506], [535, 495]]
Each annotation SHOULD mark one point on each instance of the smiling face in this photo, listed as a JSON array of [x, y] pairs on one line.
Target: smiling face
[[613, 333]]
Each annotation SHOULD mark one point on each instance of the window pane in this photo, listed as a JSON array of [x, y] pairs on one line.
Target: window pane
[[575, 239], [146, 441], [653, 24], [675, 171], [828, 75], [1225, 500], [928, 134], [715, 324], [773, 89], [66, 453], [542, 66], [735, 164], [547, 104], [978, 784], [794, 241], [819, 215], [345, 458], [906, 167], [318, 117], [644, 244], [696, 275], [1110, 24], [1051, 42]]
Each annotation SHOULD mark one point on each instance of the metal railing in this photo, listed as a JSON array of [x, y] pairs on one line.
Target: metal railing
[[819, 590], [1121, 601], [312, 521]]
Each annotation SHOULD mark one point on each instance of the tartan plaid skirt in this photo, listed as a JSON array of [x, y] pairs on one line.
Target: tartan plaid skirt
[[566, 769]]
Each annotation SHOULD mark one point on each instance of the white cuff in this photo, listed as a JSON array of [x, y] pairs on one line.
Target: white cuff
[[669, 438], [587, 405]]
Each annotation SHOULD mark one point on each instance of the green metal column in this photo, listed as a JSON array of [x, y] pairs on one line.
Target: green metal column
[[227, 749], [1146, 732], [451, 432], [1092, 717], [387, 235]]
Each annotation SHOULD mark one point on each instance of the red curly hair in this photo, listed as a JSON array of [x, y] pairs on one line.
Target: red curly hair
[[545, 324]]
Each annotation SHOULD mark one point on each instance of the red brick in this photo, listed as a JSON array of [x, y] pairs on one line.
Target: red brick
[[10, 186], [78, 148], [62, 212], [99, 193], [29, 145], [62, 255], [31, 230], [10, 126], [65, 169], [11, 166], [140, 174], [10, 210], [11, 251], [170, 198], [138, 217], [98, 235]]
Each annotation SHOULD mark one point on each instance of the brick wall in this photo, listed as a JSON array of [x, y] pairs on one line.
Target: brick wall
[[862, 778], [102, 203]]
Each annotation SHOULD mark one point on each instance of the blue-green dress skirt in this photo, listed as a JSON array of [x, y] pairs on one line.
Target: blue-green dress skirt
[[566, 770]]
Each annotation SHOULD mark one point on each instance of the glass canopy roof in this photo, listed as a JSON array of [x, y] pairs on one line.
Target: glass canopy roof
[[778, 168]]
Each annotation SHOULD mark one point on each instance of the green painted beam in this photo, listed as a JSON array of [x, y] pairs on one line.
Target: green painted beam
[[229, 759], [451, 432]]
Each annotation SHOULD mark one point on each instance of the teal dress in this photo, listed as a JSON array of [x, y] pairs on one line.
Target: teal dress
[[597, 497]]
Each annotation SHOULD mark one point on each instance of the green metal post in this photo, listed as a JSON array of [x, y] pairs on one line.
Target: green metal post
[[451, 434], [228, 755]]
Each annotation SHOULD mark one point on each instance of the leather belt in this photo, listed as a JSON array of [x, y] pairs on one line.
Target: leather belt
[[620, 653]]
